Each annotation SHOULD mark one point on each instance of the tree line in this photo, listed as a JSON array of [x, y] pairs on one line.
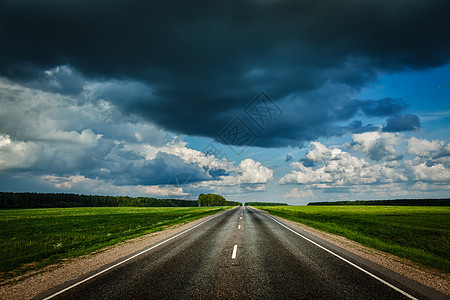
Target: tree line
[[396, 202], [49, 200], [10, 200]]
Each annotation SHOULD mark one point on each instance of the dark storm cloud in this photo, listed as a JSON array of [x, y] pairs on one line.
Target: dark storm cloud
[[204, 61], [383, 107], [358, 127], [402, 123]]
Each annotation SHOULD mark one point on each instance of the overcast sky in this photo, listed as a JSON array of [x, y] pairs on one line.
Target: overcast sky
[[257, 100]]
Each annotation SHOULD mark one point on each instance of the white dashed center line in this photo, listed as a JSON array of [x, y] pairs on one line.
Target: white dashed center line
[[239, 227], [233, 256]]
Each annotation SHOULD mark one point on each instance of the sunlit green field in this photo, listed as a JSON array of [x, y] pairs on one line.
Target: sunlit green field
[[32, 238], [421, 234]]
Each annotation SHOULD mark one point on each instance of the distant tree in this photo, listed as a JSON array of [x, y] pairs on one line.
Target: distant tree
[[211, 200], [202, 200]]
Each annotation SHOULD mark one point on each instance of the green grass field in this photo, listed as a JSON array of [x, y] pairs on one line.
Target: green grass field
[[421, 234], [33, 238]]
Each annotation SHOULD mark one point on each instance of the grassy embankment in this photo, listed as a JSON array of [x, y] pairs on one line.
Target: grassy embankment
[[33, 238], [420, 234]]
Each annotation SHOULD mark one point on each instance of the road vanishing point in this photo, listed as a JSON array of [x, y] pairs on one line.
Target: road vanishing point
[[242, 253]]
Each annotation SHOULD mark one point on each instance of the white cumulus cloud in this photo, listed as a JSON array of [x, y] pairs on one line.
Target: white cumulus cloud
[[437, 172], [254, 172], [377, 145], [339, 168], [424, 148]]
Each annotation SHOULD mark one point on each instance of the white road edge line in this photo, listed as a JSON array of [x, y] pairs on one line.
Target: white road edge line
[[233, 256], [130, 258], [343, 259]]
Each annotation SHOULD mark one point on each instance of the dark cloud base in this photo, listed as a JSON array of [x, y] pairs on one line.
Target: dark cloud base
[[199, 65], [409, 122]]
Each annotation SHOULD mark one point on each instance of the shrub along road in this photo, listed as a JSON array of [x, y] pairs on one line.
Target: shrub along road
[[244, 254]]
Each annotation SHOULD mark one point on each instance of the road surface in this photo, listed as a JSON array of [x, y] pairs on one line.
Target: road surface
[[242, 254]]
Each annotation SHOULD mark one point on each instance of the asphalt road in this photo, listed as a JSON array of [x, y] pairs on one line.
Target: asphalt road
[[243, 254]]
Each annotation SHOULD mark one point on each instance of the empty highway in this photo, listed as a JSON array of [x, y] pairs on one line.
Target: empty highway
[[242, 254]]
